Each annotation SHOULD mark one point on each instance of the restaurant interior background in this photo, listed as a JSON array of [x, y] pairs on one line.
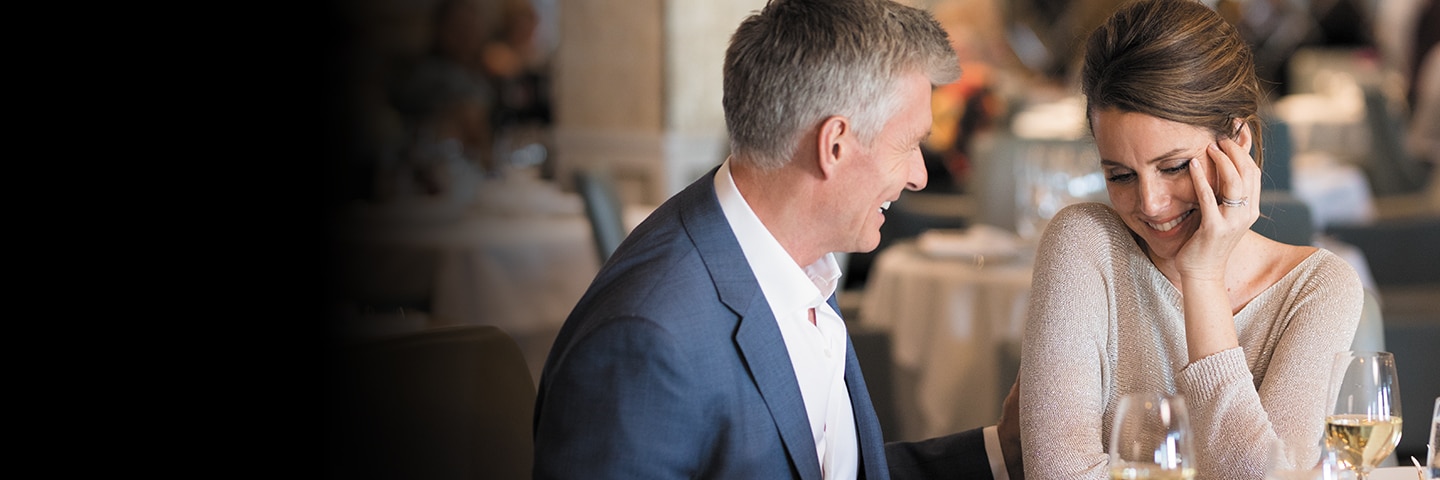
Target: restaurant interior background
[[486, 155]]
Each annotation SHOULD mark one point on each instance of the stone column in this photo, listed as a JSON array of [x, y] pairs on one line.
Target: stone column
[[637, 90]]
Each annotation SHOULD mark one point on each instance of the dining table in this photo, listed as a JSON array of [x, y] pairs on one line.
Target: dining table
[[1405, 472], [519, 256], [953, 303]]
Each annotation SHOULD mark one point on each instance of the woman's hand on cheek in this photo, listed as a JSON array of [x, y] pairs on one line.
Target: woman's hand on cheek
[[1221, 225]]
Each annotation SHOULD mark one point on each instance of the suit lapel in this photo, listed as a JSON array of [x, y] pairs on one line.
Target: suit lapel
[[764, 351], [871, 442], [758, 337]]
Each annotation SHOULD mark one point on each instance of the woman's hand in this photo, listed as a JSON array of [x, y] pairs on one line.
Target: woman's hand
[[1226, 214], [1224, 218]]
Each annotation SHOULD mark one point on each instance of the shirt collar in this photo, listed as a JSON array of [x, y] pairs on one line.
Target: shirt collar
[[786, 285]]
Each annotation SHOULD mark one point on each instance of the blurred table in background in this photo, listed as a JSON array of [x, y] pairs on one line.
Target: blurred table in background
[[1043, 162], [518, 257], [950, 315], [1343, 142], [1330, 140]]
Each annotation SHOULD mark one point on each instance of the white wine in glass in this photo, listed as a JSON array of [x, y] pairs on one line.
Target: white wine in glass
[[1151, 439], [1363, 426]]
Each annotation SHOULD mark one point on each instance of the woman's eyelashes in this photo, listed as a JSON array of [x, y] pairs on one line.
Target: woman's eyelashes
[[1125, 176], [1177, 168]]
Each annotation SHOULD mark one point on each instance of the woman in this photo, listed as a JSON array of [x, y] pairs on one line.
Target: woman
[[1168, 289]]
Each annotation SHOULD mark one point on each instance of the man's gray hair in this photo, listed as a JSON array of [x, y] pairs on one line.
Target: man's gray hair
[[797, 62]]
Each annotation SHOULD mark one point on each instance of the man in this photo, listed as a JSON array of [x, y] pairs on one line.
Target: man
[[709, 345]]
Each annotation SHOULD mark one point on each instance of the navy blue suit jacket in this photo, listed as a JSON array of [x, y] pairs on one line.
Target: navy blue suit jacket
[[672, 366]]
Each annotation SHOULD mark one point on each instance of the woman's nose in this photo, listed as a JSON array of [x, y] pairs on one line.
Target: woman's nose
[[1154, 197]]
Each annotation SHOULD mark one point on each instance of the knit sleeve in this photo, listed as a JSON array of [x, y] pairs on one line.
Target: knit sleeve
[[1236, 419], [1065, 355]]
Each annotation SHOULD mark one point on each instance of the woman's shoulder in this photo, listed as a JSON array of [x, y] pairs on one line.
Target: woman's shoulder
[[1319, 259], [1087, 219], [1087, 230], [1324, 272]]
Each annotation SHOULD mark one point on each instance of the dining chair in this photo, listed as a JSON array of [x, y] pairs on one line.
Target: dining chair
[[1279, 155], [385, 277], [604, 209], [874, 351], [444, 403], [1390, 168], [1370, 333], [1285, 218]]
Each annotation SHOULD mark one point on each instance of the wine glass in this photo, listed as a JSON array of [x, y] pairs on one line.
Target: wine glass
[[1363, 426], [1433, 464], [1283, 464], [1151, 438]]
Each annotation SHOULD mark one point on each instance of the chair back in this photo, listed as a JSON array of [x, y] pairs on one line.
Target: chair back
[[1279, 153], [604, 209], [1370, 334], [873, 350], [1390, 168], [1285, 218], [444, 403]]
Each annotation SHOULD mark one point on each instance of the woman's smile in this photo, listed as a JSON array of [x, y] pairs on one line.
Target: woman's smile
[[1167, 226]]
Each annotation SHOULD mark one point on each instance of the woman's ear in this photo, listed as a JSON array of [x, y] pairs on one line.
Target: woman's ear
[[1243, 135]]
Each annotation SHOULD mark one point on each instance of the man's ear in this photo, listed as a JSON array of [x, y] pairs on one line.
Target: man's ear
[[832, 143]]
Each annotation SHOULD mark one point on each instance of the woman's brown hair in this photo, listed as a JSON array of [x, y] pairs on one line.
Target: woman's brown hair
[[1177, 60]]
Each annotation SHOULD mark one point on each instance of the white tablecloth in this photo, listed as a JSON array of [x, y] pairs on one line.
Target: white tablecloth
[[1337, 193], [948, 318], [519, 258], [1396, 473]]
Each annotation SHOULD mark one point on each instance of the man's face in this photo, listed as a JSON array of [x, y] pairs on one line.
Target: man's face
[[874, 175]]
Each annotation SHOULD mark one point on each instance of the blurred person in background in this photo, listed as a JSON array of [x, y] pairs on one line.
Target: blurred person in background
[[1424, 95], [963, 110], [461, 30], [446, 119], [1423, 139], [443, 101], [1168, 289], [517, 63], [974, 104]]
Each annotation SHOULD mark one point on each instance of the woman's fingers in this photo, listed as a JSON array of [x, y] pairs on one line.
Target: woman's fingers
[[1204, 195], [1238, 179], [1229, 184]]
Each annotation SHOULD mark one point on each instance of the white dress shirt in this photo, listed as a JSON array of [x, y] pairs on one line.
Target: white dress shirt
[[817, 351]]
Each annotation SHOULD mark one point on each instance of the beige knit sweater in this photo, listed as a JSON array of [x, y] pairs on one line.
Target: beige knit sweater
[[1104, 322]]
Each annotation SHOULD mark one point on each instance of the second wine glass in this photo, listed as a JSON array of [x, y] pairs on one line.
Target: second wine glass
[[1151, 438], [1363, 426]]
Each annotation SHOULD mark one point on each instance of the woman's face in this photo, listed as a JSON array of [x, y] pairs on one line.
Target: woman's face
[[1146, 163]]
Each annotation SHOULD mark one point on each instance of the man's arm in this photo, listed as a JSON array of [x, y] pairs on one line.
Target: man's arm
[[622, 404], [959, 455], [966, 454]]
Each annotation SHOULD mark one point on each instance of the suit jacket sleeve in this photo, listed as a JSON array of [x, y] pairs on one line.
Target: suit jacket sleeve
[[624, 407], [959, 455]]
